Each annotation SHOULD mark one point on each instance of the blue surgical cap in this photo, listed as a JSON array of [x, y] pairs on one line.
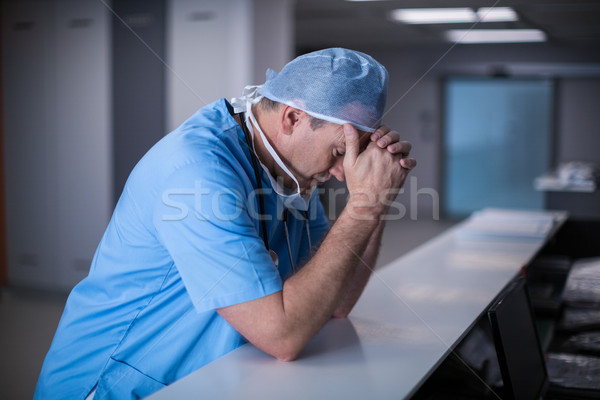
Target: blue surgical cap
[[336, 85]]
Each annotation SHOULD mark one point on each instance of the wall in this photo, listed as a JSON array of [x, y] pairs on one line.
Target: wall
[[138, 82], [273, 36], [57, 141], [216, 48], [579, 120], [208, 49]]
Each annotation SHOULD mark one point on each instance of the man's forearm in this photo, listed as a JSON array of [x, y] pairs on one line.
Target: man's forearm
[[311, 297], [364, 269], [283, 323]]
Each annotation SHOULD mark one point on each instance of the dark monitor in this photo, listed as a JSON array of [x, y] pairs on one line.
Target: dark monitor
[[520, 355]]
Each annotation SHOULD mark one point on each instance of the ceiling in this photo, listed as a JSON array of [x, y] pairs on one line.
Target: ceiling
[[324, 23]]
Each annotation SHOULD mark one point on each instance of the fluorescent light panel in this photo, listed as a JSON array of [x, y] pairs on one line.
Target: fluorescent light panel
[[496, 14], [495, 35], [433, 15], [452, 15]]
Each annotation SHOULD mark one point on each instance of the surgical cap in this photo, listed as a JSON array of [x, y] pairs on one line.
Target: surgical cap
[[336, 85]]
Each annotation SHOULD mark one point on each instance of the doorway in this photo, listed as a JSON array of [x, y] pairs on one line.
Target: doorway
[[497, 139]]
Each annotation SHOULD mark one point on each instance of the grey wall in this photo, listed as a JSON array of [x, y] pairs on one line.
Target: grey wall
[[215, 48], [138, 87], [578, 120], [57, 137], [272, 50]]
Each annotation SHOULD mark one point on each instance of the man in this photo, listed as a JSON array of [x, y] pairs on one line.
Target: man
[[210, 243]]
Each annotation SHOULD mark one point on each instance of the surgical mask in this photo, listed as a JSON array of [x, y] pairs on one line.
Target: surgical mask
[[291, 198]]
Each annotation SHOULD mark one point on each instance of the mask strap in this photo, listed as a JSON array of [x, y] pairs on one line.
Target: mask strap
[[261, 202], [269, 147]]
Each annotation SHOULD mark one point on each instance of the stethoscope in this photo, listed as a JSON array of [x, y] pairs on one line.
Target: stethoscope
[[261, 204]]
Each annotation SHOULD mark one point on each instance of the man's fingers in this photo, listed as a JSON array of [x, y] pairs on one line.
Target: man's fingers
[[408, 163], [400, 148], [379, 133], [352, 144], [387, 139]]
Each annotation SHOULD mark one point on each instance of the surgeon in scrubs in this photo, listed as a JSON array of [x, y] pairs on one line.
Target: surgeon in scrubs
[[219, 236]]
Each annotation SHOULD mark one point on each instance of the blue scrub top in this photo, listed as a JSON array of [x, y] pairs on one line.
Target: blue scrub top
[[184, 240]]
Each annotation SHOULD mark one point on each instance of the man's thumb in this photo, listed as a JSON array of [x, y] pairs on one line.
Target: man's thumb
[[352, 144]]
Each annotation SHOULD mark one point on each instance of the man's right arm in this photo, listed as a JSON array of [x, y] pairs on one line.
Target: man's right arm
[[282, 323]]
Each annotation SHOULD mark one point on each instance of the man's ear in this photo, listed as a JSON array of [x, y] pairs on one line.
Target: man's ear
[[290, 118]]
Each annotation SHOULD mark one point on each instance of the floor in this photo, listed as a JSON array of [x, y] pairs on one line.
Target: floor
[[29, 318]]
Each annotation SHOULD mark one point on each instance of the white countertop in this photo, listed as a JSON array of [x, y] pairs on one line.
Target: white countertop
[[413, 311]]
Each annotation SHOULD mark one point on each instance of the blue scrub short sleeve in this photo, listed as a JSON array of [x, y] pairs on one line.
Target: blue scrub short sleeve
[[203, 220]]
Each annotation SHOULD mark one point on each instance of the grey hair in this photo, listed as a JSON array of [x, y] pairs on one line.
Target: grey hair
[[270, 105]]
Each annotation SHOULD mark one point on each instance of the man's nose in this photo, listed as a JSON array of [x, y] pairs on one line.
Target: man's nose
[[337, 170]]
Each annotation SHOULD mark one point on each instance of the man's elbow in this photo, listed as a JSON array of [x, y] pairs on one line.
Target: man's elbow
[[287, 357], [341, 312], [283, 345], [285, 351]]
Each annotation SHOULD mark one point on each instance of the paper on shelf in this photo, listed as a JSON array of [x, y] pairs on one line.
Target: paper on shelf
[[574, 176]]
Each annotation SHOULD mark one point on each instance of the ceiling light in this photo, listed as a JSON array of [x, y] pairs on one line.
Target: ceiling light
[[433, 15], [496, 14], [495, 35], [452, 15]]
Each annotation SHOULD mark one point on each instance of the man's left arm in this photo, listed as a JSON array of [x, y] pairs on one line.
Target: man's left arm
[[389, 139], [366, 265]]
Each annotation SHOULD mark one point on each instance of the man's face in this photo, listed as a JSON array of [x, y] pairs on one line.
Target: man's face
[[318, 154]]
